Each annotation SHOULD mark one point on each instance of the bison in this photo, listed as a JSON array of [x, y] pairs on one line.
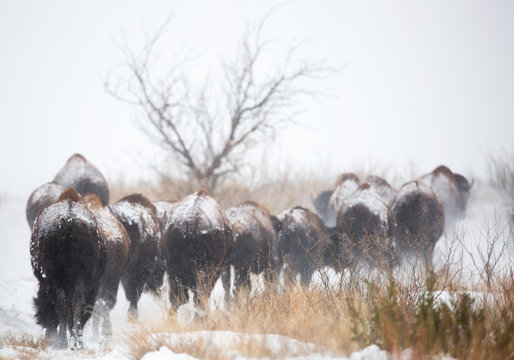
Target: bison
[[346, 184], [365, 220], [84, 177], [117, 244], [197, 242], [305, 244], [68, 258], [452, 189], [40, 198], [255, 245], [146, 267], [419, 221]]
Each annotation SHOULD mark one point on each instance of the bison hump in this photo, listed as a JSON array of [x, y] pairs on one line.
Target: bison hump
[[199, 213]]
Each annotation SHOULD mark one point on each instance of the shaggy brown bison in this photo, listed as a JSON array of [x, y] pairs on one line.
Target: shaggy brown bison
[[84, 177], [198, 241], [117, 244], [304, 244], [419, 221], [452, 189], [365, 220], [68, 258], [146, 266], [255, 245], [40, 198]]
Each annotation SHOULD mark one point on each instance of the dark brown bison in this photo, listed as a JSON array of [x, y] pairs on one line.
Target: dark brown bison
[[84, 177], [146, 266], [419, 221], [452, 189], [117, 244], [365, 220], [40, 198], [198, 241], [68, 258], [255, 245], [304, 244]]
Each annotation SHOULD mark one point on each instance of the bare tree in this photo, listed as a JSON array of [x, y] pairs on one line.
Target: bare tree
[[209, 130]]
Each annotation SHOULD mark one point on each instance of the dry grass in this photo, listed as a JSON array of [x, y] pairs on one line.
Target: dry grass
[[26, 345], [428, 313], [317, 316], [363, 309]]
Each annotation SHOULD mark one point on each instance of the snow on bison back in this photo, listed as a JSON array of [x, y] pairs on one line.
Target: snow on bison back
[[40, 198], [197, 242], [68, 258], [84, 177]]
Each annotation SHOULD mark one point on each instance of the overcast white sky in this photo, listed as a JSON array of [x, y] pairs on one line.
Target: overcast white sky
[[425, 82]]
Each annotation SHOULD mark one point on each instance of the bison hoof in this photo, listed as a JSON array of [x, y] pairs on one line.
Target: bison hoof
[[76, 342], [61, 343]]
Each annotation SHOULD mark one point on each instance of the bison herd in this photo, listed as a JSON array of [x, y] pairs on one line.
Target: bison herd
[[82, 247]]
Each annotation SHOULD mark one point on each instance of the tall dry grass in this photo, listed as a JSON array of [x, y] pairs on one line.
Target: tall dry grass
[[427, 318], [430, 313]]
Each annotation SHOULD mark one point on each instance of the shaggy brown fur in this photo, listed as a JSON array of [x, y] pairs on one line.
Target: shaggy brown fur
[[419, 221], [68, 258], [117, 243], [198, 242], [255, 245], [303, 244], [366, 221], [146, 267]]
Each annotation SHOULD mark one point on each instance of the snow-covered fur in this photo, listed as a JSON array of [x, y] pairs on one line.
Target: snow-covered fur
[[303, 242], [366, 221], [255, 245], [198, 241], [84, 177], [452, 189], [419, 221], [382, 188], [40, 198], [68, 258], [146, 267], [117, 243], [346, 185]]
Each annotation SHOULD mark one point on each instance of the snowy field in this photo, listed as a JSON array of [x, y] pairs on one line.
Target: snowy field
[[486, 218]]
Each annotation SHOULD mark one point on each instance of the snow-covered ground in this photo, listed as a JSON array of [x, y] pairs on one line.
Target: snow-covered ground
[[486, 217]]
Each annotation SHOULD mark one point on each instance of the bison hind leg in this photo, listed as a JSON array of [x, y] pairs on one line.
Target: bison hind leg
[[225, 280]]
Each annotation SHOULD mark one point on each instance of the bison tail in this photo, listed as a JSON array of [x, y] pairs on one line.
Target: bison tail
[[46, 309]]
